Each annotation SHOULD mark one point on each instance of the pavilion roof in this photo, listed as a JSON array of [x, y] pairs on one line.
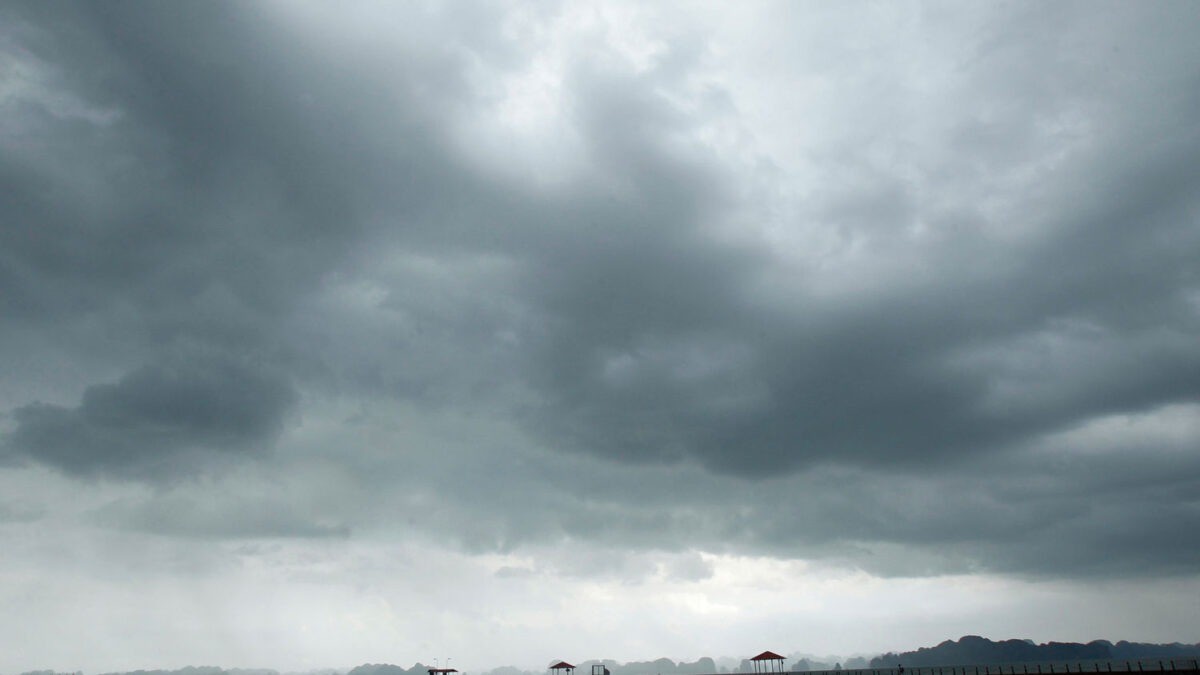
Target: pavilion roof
[[768, 656]]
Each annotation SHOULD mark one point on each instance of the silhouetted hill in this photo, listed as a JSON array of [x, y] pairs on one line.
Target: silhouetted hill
[[388, 669], [1141, 650], [704, 665], [663, 666], [975, 649]]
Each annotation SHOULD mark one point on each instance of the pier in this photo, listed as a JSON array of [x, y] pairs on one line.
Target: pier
[[1187, 666]]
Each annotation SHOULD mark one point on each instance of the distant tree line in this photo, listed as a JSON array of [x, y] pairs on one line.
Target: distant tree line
[[974, 649]]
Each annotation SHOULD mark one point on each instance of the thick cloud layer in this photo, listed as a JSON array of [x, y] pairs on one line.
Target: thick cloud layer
[[906, 289], [645, 334], [154, 422]]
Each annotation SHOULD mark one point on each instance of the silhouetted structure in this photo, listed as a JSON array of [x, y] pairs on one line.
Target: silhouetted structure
[[767, 662], [562, 666]]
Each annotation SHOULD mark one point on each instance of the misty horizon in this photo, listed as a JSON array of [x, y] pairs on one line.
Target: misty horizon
[[965, 651]]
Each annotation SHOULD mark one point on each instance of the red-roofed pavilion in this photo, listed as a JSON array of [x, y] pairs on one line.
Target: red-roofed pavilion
[[767, 662], [562, 665]]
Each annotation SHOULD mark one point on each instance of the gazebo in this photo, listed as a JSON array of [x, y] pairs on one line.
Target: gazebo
[[442, 671], [561, 666], [768, 662]]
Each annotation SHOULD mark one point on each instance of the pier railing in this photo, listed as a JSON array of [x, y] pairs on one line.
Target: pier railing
[[1123, 666], [1177, 665]]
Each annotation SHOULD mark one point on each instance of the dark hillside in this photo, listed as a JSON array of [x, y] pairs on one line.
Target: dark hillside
[[975, 649]]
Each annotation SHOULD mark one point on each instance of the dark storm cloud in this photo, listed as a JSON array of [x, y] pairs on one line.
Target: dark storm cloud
[[212, 174], [1117, 512], [647, 340], [178, 181], [665, 353], [1110, 516], [158, 422], [211, 179]]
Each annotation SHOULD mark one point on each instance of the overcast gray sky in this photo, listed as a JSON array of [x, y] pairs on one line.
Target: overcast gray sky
[[335, 333]]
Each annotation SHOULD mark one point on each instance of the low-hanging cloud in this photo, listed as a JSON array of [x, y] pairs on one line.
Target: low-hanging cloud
[[160, 422]]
